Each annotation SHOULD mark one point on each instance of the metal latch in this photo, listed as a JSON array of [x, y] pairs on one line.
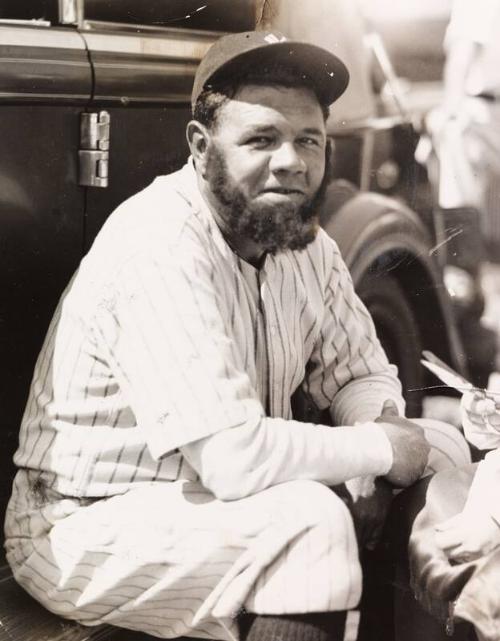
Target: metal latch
[[94, 149]]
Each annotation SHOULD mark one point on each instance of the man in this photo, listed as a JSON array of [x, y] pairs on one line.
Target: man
[[164, 485]]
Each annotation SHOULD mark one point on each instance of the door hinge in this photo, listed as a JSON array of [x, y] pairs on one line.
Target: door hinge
[[71, 12], [94, 149]]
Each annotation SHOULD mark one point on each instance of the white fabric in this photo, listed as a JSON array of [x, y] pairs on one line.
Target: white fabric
[[484, 493], [481, 423], [258, 456], [170, 559], [187, 568]]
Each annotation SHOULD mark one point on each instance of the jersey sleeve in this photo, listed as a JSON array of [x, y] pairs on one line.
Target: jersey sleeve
[[349, 371]]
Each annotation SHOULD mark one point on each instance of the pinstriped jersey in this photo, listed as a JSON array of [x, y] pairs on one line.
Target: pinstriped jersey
[[165, 336]]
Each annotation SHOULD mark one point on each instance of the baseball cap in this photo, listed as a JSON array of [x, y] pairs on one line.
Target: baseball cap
[[229, 56]]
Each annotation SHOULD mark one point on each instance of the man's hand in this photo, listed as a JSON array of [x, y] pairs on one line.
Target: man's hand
[[369, 500], [468, 536], [410, 448]]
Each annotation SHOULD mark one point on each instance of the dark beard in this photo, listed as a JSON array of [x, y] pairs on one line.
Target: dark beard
[[273, 227]]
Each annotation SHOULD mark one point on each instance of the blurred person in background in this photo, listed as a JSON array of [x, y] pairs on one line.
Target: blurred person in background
[[465, 128]]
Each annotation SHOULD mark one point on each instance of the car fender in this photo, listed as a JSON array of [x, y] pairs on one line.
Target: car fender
[[376, 233]]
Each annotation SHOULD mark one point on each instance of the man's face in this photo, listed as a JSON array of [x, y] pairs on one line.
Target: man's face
[[266, 163]]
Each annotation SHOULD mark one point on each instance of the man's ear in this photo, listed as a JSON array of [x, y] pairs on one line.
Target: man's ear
[[198, 138]]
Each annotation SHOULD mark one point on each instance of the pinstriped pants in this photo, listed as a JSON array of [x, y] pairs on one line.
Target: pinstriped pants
[[169, 559]]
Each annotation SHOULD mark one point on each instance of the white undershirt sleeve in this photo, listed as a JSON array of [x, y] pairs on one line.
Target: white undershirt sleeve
[[240, 461]]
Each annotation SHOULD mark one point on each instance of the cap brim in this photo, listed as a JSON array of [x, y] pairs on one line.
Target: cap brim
[[327, 73]]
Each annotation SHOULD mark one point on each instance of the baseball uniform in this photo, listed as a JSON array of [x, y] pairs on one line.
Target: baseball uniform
[[163, 338]]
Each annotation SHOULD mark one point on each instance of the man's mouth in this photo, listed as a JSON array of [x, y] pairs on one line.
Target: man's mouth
[[283, 190]]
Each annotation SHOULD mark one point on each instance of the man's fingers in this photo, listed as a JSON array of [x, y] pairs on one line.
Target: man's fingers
[[389, 408]]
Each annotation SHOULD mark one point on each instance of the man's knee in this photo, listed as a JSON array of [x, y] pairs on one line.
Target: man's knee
[[316, 501], [326, 525]]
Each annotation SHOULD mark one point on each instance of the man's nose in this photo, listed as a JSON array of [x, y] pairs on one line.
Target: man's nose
[[286, 158]]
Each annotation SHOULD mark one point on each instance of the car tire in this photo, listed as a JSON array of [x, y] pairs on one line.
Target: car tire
[[398, 331]]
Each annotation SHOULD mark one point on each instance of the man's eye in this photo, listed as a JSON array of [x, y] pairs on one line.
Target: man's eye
[[309, 142], [260, 141]]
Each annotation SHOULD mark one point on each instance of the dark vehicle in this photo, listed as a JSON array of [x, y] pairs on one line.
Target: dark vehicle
[[94, 98]]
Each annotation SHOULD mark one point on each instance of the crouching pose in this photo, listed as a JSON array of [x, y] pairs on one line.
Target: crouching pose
[[163, 483]]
